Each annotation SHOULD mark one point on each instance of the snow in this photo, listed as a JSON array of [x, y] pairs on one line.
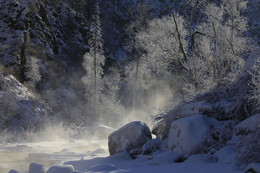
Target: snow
[[131, 136], [253, 167], [226, 155], [166, 157], [187, 134], [21, 92], [164, 162], [19, 156], [60, 169], [102, 167], [36, 168], [85, 157], [249, 125], [196, 108], [13, 171], [254, 55]]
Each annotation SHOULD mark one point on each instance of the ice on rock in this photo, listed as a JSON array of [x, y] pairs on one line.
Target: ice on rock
[[61, 169], [131, 136], [186, 134], [36, 168], [249, 125]]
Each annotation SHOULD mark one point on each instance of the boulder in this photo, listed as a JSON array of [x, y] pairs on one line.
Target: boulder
[[131, 136], [61, 169], [162, 127], [249, 125], [187, 134], [36, 168]]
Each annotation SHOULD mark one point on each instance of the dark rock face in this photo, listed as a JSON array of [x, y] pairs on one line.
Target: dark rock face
[[131, 136]]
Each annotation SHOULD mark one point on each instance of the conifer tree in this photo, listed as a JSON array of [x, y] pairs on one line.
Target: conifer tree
[[94, 61]]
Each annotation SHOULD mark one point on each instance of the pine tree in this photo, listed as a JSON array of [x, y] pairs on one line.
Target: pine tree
[[94, 61]]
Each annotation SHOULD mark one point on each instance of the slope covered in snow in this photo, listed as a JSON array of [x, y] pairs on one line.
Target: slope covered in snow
[[18, 103]]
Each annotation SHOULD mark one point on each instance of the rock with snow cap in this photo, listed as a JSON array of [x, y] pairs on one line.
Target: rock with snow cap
[[131, 136]]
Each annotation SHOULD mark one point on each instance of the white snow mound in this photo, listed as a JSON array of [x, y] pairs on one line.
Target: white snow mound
[[36, 168], [61, 169], [249, 125], [186, 134]]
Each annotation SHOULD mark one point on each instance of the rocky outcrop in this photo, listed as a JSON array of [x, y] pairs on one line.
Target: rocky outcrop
[[129, 137]]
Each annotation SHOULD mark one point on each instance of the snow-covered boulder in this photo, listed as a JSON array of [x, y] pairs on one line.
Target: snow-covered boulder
[[61, 169], [249, 125], [188, 133], [131, 136], [162, 127], [36, 168], [13, 171]]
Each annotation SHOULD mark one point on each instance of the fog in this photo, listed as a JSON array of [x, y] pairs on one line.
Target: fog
[[51, 146], [70, 133]]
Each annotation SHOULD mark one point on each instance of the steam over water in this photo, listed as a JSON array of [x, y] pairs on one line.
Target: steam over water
[[18, 156], [52, 147], [58, 143]]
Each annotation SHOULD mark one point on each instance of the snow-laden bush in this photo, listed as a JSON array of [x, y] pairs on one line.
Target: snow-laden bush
[[249, 149], [32, 72], [8, 109], [219, 136], [249, 125], [255, 83]]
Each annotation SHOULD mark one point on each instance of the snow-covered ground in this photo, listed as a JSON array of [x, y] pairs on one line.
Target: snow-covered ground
[[160, 163], [92, 156]]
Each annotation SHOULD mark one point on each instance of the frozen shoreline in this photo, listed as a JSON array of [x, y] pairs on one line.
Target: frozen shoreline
[[93, 157]]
